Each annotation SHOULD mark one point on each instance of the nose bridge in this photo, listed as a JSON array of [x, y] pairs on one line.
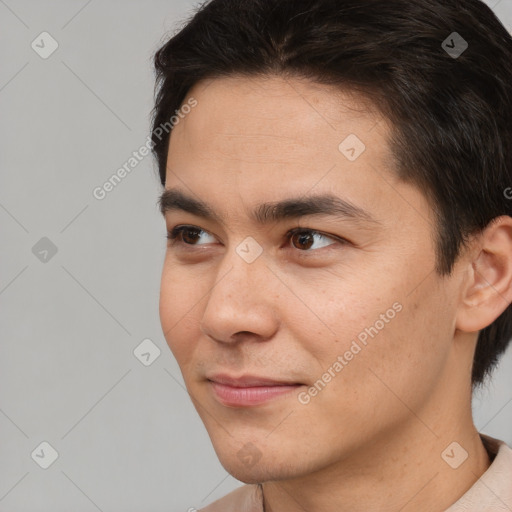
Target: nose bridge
[[240, 299], [243, 267]]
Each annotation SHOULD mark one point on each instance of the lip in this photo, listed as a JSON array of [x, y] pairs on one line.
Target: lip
[[248, 390]]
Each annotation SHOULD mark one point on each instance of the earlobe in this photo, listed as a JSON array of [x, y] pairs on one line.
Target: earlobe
[[488, 289]]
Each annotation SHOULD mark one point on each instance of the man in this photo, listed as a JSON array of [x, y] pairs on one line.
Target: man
[[338, 276]]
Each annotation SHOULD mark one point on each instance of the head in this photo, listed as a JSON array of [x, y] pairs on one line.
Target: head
[[345, 178]]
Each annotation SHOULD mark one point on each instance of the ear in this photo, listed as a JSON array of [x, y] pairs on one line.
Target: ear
[[488, 288]]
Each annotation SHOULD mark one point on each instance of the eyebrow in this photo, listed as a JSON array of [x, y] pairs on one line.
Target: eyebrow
[[270, 212]]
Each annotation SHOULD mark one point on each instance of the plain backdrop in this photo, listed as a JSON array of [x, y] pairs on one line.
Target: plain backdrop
[[79, 277]]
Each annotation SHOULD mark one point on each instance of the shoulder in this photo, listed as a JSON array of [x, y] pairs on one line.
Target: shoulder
[[244, 499]]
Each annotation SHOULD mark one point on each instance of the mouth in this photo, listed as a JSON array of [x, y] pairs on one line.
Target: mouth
[[248, 390]]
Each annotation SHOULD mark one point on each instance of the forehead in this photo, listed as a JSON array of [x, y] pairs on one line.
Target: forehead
[[279, 122], [261, 139], [275, 110]]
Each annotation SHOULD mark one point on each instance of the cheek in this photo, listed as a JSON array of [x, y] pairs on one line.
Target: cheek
[[389, 339], [179, 297], [398, 361], [348, 310]]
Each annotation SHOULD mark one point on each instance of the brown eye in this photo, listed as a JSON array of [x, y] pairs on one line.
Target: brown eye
[[190, 235], [186, 235], [304, 239]]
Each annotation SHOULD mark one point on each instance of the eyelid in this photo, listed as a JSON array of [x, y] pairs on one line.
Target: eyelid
[[175, 232], [334, 238]]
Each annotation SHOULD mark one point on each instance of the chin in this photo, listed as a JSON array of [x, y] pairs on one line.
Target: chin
[[265, 469], [249, 476], [257, 474]]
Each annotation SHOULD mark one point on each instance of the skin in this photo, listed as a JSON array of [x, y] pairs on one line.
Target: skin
[[372, 439]]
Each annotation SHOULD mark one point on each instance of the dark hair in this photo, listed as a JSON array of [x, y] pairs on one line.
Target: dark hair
[[451, 115]]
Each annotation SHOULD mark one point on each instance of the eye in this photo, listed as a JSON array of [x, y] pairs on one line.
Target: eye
[[303, 239], [186, 235]]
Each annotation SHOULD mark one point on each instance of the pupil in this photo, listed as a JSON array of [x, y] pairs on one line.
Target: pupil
[[304, 238], [193, 237]]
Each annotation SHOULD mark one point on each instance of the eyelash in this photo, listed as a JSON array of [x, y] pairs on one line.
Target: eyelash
[[172, 236]]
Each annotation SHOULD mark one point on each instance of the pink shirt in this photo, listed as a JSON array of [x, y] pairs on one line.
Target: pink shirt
[[492, 492]]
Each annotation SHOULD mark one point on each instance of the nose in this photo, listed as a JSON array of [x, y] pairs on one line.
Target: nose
[[242, 302]]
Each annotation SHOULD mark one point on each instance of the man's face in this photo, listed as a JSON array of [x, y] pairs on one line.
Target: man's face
[[245, 298]]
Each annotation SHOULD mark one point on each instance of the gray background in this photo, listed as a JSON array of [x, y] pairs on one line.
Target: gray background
[[127, 436]]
